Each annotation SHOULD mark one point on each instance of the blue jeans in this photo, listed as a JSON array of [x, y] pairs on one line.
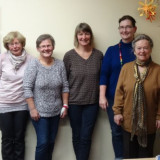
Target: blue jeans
[[117, 132], [46, 130], [82, 120]]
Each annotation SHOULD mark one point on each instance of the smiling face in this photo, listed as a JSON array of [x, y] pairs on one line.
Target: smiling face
[[126, 30], [15, 47], [84, 38], [142, 50], [46, 48]]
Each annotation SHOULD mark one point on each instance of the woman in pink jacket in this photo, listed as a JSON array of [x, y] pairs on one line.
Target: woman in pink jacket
[[13, 108]]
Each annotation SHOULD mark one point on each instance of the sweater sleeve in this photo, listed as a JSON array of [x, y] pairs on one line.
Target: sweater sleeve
[[67, 64], [105, 68], [30, 78], [119, 94], [2, 57], [158, 112], [64, 79], [0, 65]]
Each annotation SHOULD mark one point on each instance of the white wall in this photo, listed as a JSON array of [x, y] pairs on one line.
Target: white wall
[[59, 18]]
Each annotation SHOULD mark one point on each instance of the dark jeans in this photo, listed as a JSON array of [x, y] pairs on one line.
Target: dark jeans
[[13, 126], [133, 150], [46, 130], [117, 134], [82, 119]]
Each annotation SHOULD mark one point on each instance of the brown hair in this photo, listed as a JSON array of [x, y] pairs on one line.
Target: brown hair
[[84, 27], [133, 21]]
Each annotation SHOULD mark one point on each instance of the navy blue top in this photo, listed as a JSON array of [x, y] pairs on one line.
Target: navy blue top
[[111, 66]]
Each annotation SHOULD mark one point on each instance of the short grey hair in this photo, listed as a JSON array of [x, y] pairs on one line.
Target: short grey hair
[[142, 37], [43, 37]]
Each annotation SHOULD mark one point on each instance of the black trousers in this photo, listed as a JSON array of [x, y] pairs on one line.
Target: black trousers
[[132, 149], [13, 126]]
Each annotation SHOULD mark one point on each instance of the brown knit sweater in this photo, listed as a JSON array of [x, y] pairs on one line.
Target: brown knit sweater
[[83, 77], [124, 96]]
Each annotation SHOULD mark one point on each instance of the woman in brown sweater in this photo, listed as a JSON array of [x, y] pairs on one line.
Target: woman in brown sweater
[[137, 100], [83, 70]]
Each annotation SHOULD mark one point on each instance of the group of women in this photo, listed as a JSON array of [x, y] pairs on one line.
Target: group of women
[[50, 89]]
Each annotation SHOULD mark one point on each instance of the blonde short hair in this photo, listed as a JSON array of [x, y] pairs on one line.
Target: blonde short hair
[[11, 36]]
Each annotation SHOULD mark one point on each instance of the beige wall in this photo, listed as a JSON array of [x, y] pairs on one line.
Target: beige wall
[[59, 18]]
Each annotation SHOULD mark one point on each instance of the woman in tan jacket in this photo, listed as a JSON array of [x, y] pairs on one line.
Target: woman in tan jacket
[[137, 100]]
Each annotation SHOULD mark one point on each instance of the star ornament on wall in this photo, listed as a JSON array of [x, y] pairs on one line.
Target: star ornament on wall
[[148, 9]]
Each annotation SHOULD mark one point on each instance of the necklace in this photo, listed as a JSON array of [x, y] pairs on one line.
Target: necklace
[[120, 54]]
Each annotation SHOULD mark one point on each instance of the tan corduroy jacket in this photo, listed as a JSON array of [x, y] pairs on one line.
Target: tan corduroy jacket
[[124, 96]]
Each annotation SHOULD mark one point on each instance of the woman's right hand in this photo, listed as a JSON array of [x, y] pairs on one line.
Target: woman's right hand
[[118, 119], [103, 103], [34, 114]]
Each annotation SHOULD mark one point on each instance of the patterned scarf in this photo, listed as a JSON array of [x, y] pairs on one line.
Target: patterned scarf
[[17, 61], [139, 113]]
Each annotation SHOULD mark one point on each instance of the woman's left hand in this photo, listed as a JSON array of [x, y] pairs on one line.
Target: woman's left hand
[[64, 112], [158, 124]]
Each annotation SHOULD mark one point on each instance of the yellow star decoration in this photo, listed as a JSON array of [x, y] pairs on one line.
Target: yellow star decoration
[[148, 9]]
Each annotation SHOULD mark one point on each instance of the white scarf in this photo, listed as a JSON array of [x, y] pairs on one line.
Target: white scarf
[[17, 61]]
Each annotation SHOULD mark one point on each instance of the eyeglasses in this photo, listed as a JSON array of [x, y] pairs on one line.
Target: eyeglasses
[[125, 27], [14, 44], [45, 46]]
